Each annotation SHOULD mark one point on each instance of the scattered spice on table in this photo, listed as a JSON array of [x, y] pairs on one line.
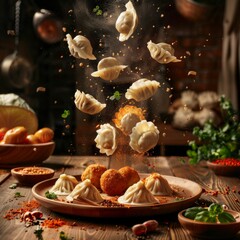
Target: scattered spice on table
[[24, 207], [53, 223]]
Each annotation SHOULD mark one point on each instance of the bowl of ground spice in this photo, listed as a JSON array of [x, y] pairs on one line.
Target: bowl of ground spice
[[31, 175], [225, 167]]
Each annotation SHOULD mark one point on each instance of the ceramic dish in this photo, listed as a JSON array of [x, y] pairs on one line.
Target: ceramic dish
[[203, 230], [32, 175], [189, 192], [13, 155], [219, 169]]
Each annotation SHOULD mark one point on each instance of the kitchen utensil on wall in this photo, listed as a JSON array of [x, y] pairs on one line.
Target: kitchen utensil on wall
[[47, 26], [16, 69]]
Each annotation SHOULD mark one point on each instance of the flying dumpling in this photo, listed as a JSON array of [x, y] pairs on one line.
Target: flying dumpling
[[108, 69], [142, 89], [106, 139], [162, 52], [127, 22], [64, 185], [85, 190], [144, 136], [137, 194], [87, 103], [158, 185], [80, 47]]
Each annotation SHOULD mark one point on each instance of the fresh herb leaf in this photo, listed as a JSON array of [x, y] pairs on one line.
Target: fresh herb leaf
[[18, 194], [13, 186], [65, 114], [116, 96], [97, 11], [38, 233], [206, 216], [50, 195], [225, 217], [215, 208], [63, 236], [193, 211]]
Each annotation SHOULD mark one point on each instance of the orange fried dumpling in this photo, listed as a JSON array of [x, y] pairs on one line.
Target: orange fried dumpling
[[127, 117]]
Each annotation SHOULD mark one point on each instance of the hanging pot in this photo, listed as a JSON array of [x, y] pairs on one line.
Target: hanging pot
[[16, 70], [47, 26]]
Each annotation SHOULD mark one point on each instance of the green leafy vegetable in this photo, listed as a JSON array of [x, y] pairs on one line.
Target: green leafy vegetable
[[50, 195], [116, 96], [213, 214], [38, 233], [18, 194], [13, 186], [97, 11], [217, 142], [63, 236], [65, 114]]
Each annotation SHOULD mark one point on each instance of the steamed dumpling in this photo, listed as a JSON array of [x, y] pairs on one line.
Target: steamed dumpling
[[106, 139], [189, 99], [108, 69], [127, 22], [80, 47], [142, 89], [137, 194], [208, 99], [64, 185], [206, 115], [87, 103], [158, 185], [162, 52], [144, 136], [85, 190]]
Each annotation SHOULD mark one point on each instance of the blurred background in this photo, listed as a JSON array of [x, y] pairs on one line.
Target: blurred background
[[196, 30]]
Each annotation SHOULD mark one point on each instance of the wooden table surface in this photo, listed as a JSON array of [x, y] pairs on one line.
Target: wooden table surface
[[224, 190]]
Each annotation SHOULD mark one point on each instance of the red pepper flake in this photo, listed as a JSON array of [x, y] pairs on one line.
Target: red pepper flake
[[25, 207], [53, 223], [228, 162]]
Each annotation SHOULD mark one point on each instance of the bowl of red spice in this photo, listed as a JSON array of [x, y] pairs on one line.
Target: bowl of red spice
[[32, 175], [225, 167]]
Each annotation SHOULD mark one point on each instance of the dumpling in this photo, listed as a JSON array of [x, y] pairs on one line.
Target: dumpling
[[162, 52], [108, 69], [208, 99], [142, 89], [85, 190], [137, 194], [64, 185], [158, 185], [144, 136], [190, 99], [106, 139], [80, 47], [87, 103], [127, 22], [127, 117], [206, 115]]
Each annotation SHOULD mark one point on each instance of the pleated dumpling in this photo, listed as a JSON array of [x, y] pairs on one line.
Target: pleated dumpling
[[85, 190], [137, 194], [144, 136], [158, 185], [64, 185], [106, 139], [87, 103], [127, 22], [142, 89], [108, 69], [162, 52], [80, 47]]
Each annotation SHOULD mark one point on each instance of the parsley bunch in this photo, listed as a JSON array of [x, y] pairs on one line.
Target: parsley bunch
[[217, 142]]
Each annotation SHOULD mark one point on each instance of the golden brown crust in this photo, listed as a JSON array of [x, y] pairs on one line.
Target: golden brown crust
[[113, 183], [94, 172], [16, 135], [130, 174]]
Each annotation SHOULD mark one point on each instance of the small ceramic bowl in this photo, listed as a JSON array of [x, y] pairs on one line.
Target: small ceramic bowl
[[203, 230], [32, 175], [223, 170]]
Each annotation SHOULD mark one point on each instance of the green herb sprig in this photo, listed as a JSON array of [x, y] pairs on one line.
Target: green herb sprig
[[213, 214], [38, 233], [116, 96], [50, 195], [217, 142]]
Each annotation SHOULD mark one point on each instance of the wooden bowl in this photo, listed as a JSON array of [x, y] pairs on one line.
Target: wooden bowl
[[24, 154], [32, 175], [203, 230], [222, 170]]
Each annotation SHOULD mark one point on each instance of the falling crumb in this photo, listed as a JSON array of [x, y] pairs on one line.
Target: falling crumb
[[64, 29], [41, 89], [188, 53], [194, 73]]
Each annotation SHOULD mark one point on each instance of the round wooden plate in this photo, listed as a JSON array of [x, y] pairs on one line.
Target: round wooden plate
[[191, 190]]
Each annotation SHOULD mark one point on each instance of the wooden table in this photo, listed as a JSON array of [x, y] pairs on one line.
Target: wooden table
[[224, 190]]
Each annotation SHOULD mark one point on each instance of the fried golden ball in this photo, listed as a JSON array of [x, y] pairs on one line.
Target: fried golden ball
[[113, 183], [93, 172], [130, 174], [16, 135]]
